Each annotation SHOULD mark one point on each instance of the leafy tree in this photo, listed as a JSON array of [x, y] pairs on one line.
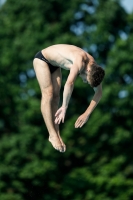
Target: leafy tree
[[98, 161]]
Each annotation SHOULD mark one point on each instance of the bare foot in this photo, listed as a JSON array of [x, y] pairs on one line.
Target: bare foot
[[64, 146], [56, 143]]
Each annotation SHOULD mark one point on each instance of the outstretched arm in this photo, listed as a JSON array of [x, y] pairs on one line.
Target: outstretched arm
[[61, 112], [68, 89], [85, 116]]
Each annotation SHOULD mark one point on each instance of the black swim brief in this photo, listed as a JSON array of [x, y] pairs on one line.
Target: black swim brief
[[40, 56]]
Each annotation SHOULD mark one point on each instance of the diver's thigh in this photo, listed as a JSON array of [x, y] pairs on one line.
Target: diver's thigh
[[42, 73]]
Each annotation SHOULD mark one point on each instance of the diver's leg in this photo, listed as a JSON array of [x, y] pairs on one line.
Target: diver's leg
[[44, 78], [56, 80]]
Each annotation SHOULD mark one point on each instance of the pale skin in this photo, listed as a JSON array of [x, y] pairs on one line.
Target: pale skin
[[78, 62]]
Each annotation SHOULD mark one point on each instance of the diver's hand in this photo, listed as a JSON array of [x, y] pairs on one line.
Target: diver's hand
[[60, 115], [82, 119]]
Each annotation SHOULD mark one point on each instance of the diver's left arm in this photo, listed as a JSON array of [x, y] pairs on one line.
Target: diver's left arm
[[95, 100]]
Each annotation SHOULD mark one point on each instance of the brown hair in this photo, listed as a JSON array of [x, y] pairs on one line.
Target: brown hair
[[96, 75]]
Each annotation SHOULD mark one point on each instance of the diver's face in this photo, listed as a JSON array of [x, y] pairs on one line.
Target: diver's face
[[84, 76]]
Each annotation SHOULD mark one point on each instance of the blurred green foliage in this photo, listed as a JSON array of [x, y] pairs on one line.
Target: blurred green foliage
[[98, 162]]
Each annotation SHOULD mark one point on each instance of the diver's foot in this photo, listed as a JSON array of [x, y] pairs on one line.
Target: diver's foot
[[62, 143], [56, 143]]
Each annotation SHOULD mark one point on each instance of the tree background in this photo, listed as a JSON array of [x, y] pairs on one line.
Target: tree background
[[98, 163]]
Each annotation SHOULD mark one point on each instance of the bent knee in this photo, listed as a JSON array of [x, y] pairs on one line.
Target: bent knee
[[56, 92], [56, 96], [47, 93]]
